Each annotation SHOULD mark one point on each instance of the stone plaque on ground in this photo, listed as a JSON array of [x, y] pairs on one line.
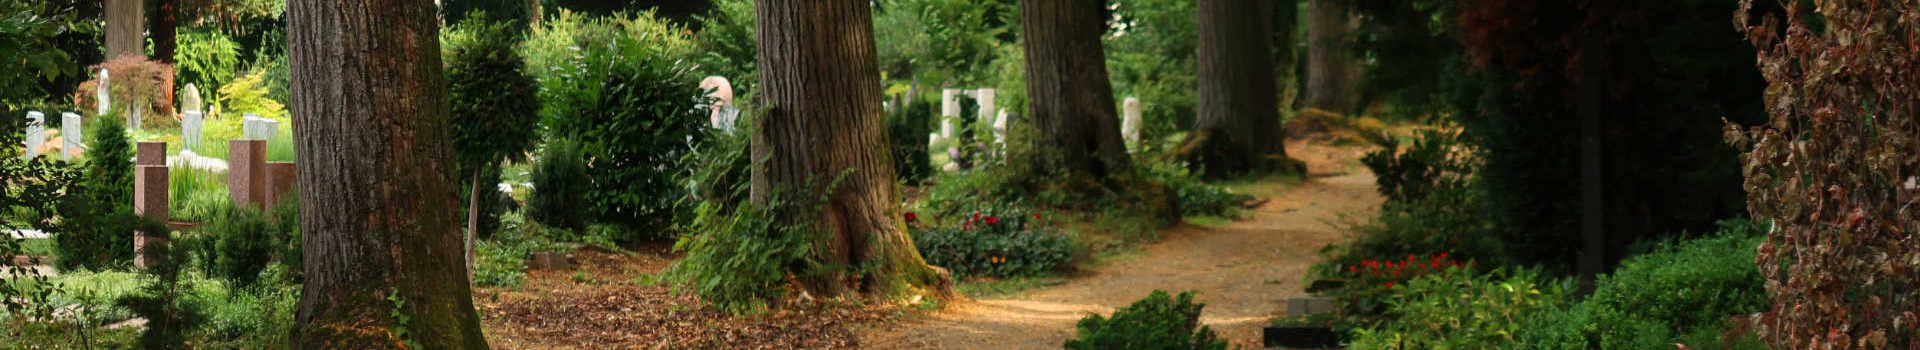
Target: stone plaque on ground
[[36, 133], [70, 132], [247, 172], [149, 201]]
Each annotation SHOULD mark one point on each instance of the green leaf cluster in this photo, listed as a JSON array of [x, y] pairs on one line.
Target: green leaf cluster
[[1157, 322]]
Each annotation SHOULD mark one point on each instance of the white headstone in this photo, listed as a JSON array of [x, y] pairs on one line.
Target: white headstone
[[190, 100], [36, 133], [255, 127], [191, 127], [984, 97], [1000, 128], [949, 110], [70, 132], [133, 118], [1130, 120], [101, 99]]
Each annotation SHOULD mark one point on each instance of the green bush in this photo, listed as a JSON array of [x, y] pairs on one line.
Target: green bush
[[624, 87], [1459, 309], [205, 58], [493, 104], [109, 170], [260, 317], [1157, 322], [727, 47], [559, 186], [997, 244], [907, 129], [1683, 290], [739, 259], [246, 240], [99, 221], [1195, 197]]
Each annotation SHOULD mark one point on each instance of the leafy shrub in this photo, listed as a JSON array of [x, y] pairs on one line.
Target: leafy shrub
[[1655, 299], [998, 244], [246, 240], [205, 58], [99, 218], [1459, 309], [722, 167], [248, 94], [35, 189], [171, 316], [259, 318], [624, 88], [559, 186], [1154, 61], [738, 260], [726, 44], [1367, 284], [493, 104], [133, 79], [1436, 161], [1828, 170], [108, 171], [907, 129], [1157, 322], [1195, 197]]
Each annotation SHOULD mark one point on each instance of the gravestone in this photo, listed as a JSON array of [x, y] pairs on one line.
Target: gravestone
[[102, 101], [1000, 123], [70, 132], [983, 97], [134, 115], [149, 201], [190, 101], [1130, 120], [949, 110], [36, 133], [280, 182], [192, 126], [255, 127], [150, 153], [247, 172]]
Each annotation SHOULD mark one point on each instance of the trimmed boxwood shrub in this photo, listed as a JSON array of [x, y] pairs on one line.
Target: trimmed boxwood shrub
[[1681, 291]]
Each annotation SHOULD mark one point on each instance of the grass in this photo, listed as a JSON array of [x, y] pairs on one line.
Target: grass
[[36, 246], [1207, 221], [195, 195], [1001, 288]]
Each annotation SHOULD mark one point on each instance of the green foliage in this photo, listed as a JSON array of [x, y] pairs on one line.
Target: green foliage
[[495, 106], [245, 241], [100, 220], [1196, 198], [109, 170], [205, 58], [994, 243], [260, 317], [515, 15], [402, 324], [739, 259], [622, 86], [171, 317], [31, 190], [559, 186], [248, 94], [1157, 322], [942, 42], [1681, 290], [29, 39], [726, 44], [907, 129], [722, 167], [1152, 58], [1459, 309]]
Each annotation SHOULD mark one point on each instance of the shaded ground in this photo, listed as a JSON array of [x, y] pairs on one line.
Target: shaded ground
[[600, 306], [1230, 266]]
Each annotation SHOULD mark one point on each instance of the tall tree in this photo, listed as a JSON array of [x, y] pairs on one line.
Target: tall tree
[[166, 17], [1331, 73], [821, 135], [1238, 127], [126, 25], [1071, 104], [379, 216]]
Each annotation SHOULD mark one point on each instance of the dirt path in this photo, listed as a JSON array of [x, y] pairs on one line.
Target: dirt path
[[1228, 265]]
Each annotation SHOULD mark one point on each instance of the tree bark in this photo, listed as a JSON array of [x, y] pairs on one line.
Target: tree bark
[[162, 24], [1238, 127], [1072, 108], [1330, 68], [378, 203], [821, 135], [126, 21]]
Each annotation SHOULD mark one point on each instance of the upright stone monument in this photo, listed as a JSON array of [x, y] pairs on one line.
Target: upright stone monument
[[149, 195], [70, 132], [247, 172], [36, 133], [150, 153], [103, 101], [280, 182], [193, 116], [190, 101], [1130, 120]]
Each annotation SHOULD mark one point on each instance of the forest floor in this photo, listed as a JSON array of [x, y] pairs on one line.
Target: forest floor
[[1244, 270]]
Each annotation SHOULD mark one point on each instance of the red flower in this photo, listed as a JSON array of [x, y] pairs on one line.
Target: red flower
[[1036, 216], [1355, 268], [992, 220], [911, 217], [1389, 284], [976, 216]]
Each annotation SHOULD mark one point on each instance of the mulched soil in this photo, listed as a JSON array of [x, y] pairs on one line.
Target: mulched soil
[[605, 307]]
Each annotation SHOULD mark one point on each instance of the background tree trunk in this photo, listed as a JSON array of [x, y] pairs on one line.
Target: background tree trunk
[[1071, 106], [1331, 73], [164, 20], [126, 23], [822, 135], [378, 206], [1238, 126]]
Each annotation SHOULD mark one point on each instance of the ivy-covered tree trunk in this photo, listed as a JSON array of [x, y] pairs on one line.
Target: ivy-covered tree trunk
[[378, 207], [1331, 73], [1072, 108], [821, 137], [1238, 129]]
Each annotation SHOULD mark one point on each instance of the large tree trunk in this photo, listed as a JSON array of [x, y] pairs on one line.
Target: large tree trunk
[[126, 23], [378, 209], [821, 135], [1331, 73], [1238, 129], [1071, 104], [165, 18]]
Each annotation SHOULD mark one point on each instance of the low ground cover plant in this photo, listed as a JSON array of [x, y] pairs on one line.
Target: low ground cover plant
[[1158, 322], [993, 244]]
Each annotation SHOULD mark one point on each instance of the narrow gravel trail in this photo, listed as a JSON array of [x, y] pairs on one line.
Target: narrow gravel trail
[[1229, 265]]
